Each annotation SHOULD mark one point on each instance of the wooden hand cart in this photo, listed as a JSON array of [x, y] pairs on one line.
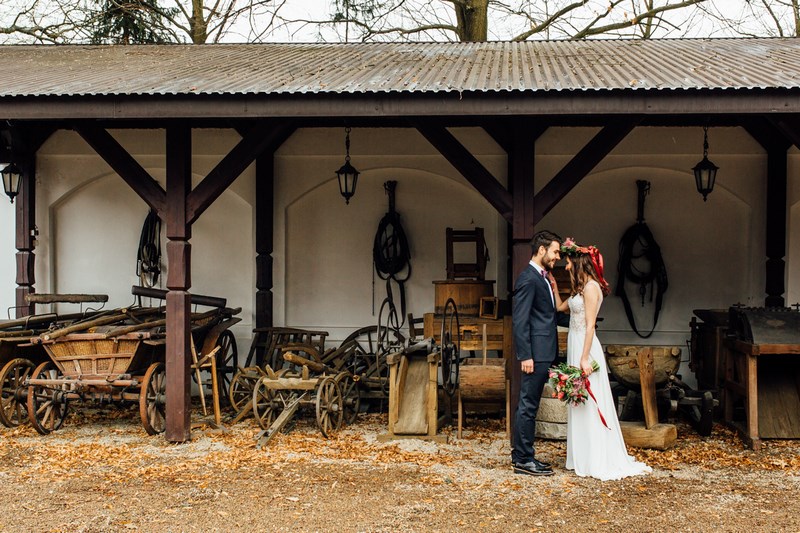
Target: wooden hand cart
[[18, 357], [117, 357]]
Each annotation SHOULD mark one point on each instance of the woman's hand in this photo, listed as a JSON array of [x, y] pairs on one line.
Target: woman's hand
[[586, 367]]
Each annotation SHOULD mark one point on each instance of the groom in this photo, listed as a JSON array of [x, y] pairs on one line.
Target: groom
[[535, 345]]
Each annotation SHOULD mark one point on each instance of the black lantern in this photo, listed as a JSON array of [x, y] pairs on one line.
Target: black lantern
[[705, 172], [11, 178], [348, 175]]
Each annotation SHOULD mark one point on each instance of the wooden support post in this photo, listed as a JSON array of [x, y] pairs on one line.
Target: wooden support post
[[264, 213], [26, 236], [776, 227], [179, 182], [521, 160]]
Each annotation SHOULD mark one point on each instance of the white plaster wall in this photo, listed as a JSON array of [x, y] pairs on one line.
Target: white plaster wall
[[323, 247], [90, 222]]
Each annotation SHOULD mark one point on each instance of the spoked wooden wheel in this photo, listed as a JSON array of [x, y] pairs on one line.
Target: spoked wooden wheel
[[351, 397], [153, 399], [267, 403], [451, 347], [330, 406], [241, 390], [13, 403], [47, 406], [227, 363]]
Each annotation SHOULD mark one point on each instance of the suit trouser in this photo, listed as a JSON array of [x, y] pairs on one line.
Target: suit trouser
[[530, 395]]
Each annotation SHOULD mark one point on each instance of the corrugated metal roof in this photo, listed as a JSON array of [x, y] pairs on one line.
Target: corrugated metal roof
[[400, 67]]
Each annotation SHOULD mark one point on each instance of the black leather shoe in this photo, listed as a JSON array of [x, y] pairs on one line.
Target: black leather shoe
[[541, 464], [533, 468]]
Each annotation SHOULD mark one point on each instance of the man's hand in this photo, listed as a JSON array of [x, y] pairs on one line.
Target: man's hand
[[527, 366]]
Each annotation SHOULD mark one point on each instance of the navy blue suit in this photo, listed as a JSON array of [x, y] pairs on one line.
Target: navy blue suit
[[536, 337]]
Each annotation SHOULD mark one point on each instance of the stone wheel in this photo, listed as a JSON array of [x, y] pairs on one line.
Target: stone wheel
[[13, 403], [152, 399], [47, 406], [330, 406]]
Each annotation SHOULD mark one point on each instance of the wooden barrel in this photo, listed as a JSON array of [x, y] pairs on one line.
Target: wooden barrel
[[482, 382], [624, 366], [466, 293]]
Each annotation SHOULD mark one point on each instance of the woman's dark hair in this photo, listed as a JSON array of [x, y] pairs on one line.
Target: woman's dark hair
[[582, 271], [543, 238]]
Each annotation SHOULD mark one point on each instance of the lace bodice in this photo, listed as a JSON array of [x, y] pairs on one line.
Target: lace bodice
[[577, 311]]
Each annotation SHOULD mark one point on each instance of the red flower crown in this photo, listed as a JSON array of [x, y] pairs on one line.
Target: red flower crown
[[571, 249]]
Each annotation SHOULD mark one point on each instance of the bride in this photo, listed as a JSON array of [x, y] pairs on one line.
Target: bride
[[595, 446]]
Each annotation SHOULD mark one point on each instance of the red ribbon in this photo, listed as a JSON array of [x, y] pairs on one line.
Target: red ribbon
[[589, 389]]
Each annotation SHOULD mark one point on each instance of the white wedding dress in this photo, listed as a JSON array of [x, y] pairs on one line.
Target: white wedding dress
[[593, 449]]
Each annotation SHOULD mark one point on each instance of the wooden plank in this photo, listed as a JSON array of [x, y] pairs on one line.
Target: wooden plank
[[43, 298], [647, 379], [432, 390], [125, 166], [573, 172], [469, 167], [751, 401], [413, 414]]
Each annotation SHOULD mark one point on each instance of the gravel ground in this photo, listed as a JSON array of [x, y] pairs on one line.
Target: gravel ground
[[101, 472]]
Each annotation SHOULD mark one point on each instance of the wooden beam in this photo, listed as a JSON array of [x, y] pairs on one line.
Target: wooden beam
[[266, 136], [775, 240], [504, 131], [766, 134], [775, 135], [26, 235], [179, 281], [580, 165], [264, 214], [789, 127], [125, 166], [469, 167]]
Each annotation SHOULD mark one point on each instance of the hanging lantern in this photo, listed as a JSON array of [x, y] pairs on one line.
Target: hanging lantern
[[11, 179], [705, 172], [347, 174]]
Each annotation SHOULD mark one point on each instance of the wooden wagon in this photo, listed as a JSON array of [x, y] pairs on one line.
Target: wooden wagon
[[18, 357], [116, 357]]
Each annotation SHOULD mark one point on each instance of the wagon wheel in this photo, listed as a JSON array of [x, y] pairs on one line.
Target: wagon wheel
[[351, 396], [47, 407], [450, 347], [13, 406], [241, 390], [267, 404], [330, 406], [388, 333], [227, 363], [152, 399]]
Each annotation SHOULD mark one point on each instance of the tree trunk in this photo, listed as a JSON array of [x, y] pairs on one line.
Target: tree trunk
[[472, 18], [198, 23]]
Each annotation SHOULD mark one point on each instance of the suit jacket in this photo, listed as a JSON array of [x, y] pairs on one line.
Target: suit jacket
[[534, 318]]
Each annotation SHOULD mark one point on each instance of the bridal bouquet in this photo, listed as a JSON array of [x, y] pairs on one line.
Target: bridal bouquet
[[569, 384], [572, 386]]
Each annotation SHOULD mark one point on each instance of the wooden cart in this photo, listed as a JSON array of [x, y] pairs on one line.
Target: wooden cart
[[118, 357], [18, 357]]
